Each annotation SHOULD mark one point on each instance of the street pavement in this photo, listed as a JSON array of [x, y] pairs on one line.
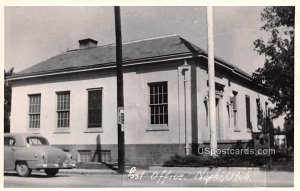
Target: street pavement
[[153, 177]]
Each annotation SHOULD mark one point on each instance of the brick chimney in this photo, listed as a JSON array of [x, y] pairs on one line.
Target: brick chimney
[[87, 43]]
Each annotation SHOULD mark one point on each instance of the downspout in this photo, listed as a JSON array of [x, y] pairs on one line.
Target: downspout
[[184, 69]]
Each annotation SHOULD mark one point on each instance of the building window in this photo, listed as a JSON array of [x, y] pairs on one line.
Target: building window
[[259, 112], [235, 111], [84, 156], [63, 109], [158, 103], [105, 156], [248, 113], [34, 111], [267, 110], [94, 108]]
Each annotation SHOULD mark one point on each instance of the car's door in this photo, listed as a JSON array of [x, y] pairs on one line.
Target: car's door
[[9, 151]]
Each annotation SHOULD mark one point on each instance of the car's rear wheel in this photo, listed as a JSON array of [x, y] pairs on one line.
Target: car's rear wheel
[[51, 171], [23, 169]]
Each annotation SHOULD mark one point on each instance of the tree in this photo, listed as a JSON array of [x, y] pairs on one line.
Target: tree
[[277, 75], [289, 130], [7, 100]]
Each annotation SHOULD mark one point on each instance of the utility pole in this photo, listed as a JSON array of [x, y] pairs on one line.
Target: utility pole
[[120, 96], [211, 79]]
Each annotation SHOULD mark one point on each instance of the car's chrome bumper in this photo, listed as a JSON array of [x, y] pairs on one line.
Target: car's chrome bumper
[[57, 165]]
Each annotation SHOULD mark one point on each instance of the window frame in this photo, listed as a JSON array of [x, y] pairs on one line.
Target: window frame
[[84, 152], [248, 113], [105, 154], [34, 129], [267, 113], [10, 145], [62, 129], [41, 139], [97, 129], [162, 126], [235, 112]]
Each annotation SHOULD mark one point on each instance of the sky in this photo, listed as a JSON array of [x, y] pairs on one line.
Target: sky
[[34, 34]]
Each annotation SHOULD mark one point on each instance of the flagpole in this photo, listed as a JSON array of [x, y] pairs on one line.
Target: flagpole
[[211, 79]]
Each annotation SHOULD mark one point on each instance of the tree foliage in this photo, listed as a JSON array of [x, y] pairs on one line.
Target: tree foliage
[[289, 129], [7, 100], [277, 75]]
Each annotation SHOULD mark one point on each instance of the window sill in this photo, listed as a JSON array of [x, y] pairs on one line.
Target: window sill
[[157, 128], [237, 130], [34, 131], [62, 130], [94, 130]]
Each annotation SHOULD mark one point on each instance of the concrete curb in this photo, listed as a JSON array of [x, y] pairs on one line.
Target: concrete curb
[[88, 171], [159, 169], [195, 170], [208, 168], [175, 170]]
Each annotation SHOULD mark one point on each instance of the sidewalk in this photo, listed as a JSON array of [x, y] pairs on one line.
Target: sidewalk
[[88, 171], [160, 169], [195, 176]]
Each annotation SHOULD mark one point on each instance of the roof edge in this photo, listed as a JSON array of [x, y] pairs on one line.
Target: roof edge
[[130, 63], [103, 66]]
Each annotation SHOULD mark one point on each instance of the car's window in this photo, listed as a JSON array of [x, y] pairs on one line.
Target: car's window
[[9, 141], [35, 141]]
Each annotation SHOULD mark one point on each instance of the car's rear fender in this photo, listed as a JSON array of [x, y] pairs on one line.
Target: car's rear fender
[[28, 154]]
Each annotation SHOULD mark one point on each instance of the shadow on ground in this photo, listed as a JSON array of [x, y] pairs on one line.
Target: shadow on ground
[[35, 175]]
